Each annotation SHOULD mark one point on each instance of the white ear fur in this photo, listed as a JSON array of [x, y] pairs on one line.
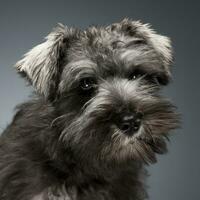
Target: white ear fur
[[160, 43], [41, 64]]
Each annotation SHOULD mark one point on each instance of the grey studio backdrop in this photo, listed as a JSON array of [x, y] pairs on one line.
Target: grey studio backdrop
[[24, 24]]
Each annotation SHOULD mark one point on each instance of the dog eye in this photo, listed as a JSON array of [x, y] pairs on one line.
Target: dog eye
[[136, 74], [87, 84]]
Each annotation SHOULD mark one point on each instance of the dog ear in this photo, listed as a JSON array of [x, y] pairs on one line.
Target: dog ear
[[42, 64], [161, 44]]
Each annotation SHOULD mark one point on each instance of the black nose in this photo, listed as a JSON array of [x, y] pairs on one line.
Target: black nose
[[130, 123]]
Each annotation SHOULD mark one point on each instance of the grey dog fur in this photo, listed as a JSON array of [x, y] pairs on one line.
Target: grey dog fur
[[63, 143]]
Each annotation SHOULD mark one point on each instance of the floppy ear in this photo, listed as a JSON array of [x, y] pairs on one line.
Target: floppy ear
[[42, 64], [160, 43]]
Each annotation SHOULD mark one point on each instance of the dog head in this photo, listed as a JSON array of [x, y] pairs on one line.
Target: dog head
[[104, 82]]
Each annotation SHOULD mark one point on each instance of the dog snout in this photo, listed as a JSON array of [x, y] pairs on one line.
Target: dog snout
[[129, 123]]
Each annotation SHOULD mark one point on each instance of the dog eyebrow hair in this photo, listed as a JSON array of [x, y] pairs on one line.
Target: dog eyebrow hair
[[149, 70], [82, 68], [74, 70]]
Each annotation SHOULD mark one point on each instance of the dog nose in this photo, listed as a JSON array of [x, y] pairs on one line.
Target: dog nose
[[130, 123]]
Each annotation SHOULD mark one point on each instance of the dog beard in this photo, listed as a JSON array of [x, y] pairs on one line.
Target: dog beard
[[92, 133]]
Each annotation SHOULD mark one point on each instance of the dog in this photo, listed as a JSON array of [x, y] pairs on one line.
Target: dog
[[96, 119]]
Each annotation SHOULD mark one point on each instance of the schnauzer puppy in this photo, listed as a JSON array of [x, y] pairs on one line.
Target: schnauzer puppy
[[96, 118]]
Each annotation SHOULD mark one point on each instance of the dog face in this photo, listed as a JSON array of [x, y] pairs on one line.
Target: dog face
[[104, 83]]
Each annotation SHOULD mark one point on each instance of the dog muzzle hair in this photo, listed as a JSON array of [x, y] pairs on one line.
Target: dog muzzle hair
[[97, 116]]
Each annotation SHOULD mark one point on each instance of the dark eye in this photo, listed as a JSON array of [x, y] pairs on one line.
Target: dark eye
[[136, 74], [146, 77], [87, 84]]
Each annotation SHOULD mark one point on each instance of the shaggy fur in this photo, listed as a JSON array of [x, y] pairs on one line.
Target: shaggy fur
[[67, 142]]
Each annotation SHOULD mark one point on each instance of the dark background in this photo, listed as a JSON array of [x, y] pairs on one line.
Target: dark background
[[23, 24]]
